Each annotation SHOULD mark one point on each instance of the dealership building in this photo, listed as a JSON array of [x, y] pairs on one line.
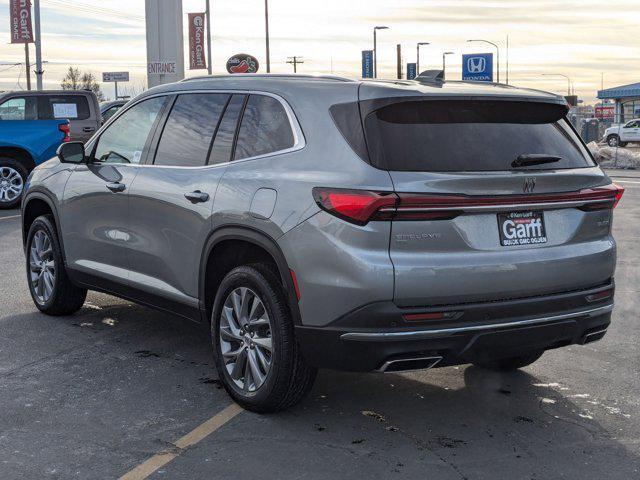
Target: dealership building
[[626, 99]]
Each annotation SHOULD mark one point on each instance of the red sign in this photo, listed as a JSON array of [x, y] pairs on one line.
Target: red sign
[[20, 18], [605, 112], [197, 58]]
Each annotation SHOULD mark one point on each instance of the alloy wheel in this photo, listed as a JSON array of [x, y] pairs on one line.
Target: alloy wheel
[[245, 339], [42, 266], [11, 184]]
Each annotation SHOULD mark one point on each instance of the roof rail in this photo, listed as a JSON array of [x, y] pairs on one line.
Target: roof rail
[[283, 76]]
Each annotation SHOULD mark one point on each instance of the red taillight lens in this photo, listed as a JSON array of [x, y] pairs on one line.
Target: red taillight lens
[[362, 206], [356, 206], [64, 128]]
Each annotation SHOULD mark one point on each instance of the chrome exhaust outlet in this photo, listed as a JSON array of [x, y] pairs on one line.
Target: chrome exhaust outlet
[[593, 336], [409, 364]]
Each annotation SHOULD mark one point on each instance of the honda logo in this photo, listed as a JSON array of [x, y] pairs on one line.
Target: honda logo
[[476, 64], [529, 185]]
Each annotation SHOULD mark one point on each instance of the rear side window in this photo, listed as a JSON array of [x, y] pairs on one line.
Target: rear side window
[[265, 128], [454, 136], [223, 144], [71, 107], [19, 108], [189, 130]]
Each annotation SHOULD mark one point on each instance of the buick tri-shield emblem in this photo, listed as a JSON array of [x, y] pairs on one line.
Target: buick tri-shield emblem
[[529, 185]]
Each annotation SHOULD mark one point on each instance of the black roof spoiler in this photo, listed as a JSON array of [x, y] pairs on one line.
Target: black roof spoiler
[[430, 76]]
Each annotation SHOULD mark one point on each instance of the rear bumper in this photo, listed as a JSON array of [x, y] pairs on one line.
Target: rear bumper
[[377, 334]]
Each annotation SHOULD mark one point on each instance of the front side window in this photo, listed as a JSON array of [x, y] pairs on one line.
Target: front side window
[[20, 108], [70, 107], [124, 140], [631, 124], [188, 132], [265, 128]]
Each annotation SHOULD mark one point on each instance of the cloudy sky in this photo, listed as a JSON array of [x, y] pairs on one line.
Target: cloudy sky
[[578, 38]]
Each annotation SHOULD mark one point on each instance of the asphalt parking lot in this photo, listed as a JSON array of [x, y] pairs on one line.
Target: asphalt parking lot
[[98, 394]]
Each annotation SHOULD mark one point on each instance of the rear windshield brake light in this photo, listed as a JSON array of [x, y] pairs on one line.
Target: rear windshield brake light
[[363, 206]]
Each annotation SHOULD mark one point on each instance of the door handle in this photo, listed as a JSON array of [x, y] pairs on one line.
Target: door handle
[[88, 129], [116, 187], [197, 196]]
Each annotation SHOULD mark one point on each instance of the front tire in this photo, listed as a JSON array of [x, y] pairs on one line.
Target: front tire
[[50, 287], [613, 141], [511, 363], [13, 176], [256, 354]]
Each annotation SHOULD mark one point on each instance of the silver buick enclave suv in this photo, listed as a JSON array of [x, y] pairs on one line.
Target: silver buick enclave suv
[[334, 223]]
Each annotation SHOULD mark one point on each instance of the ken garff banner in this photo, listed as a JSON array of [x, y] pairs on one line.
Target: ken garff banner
[[197, 58], [20, 18]]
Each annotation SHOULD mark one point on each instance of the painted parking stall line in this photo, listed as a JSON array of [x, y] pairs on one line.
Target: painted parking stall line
[[203, 430], [10, 217]]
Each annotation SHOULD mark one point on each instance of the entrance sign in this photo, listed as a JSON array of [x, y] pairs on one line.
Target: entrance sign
[[161, 68], [477, 67], [197, 57]]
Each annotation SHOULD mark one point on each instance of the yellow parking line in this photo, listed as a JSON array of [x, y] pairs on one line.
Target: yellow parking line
[[146, 468]]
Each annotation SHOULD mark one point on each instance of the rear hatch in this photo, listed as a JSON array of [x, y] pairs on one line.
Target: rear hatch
[[498, 199]]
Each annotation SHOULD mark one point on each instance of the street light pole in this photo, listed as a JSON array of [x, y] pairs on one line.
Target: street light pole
[[36, 18], [444, 64], [497, 53], [375, 49], [208, 16], [266, 28], [561, 75], [418, 56]]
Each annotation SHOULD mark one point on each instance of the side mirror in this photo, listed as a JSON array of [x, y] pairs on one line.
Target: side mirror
[[71, 152]]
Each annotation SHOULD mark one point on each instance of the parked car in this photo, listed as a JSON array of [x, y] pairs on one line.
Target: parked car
[[108, 109], [620, 135], [32, 126], [321, 222]]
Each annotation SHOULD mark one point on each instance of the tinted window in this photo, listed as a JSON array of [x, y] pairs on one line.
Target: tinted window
[[445, 136], [264, 129], [72, 107], [223, 144], [124, 140], [110, 113], [188, 132], [21, 108]]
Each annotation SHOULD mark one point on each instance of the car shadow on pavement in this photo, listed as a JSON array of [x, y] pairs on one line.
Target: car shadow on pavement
[[145, 379]]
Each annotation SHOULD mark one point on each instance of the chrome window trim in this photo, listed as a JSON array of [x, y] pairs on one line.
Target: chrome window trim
[[299, 141]]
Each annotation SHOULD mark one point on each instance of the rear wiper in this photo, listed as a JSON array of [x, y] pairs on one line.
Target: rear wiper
[[534, 159]]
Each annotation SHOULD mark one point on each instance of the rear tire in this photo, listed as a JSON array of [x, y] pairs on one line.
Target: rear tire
[[282, 377], [509, 364], [49, 285], [13, 176]]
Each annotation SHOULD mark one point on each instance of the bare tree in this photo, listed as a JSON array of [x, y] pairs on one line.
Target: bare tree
[[76, 80]]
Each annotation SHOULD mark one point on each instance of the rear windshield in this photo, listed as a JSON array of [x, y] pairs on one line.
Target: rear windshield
[[454, 136]]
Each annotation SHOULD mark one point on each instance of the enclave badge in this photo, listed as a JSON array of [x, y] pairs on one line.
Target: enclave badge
[[529, 184]]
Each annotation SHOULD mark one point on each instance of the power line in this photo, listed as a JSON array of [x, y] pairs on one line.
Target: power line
[[85, 8]]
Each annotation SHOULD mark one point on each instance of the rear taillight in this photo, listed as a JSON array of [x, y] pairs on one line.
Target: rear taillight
[[362, 206], [356, 206], [64, 128]]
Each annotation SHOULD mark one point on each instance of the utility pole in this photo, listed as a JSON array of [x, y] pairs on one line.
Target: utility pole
[[507, 59], [295, 60], [27, 65], [208, 15], [266, 29], [36, 17], [399, 61]]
